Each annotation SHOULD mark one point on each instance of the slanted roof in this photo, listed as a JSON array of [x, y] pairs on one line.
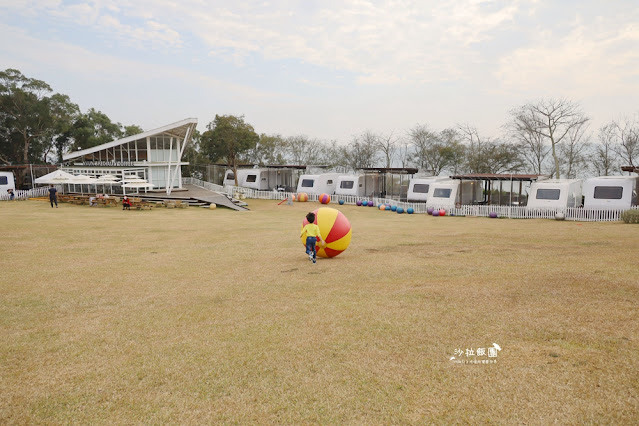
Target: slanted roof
[[179, 129], [499, 176]]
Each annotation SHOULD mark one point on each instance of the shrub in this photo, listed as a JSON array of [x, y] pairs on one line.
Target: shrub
[[630, 216]]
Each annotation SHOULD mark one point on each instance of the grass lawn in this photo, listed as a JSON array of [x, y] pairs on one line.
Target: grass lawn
[[200, 316]]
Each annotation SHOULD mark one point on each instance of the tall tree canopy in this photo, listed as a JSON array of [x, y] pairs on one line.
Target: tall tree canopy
[[226, 138]]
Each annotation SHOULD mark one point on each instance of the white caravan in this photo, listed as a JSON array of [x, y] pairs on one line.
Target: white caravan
[[368, 185], [7, 182], [555, 193], [610, 192], [447, 193], [264, 179], [318, 184], [419, 188]]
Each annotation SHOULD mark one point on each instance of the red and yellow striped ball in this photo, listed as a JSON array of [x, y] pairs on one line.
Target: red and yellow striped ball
[[302, 197], [335, 230], [324, 199]]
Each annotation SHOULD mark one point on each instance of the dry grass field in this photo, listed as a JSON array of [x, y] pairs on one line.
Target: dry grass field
[[200, 316]]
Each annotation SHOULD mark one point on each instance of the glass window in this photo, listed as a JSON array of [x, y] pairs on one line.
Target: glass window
[[251, 178], [421, 188], [330, 182], [608, 192], [547, 194], [3, 180], [230, 176], [442, 192], [307, 183], [346, 184]]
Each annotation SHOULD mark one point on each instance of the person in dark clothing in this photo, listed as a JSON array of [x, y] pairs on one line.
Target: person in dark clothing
[[53, 196], [126, 203]]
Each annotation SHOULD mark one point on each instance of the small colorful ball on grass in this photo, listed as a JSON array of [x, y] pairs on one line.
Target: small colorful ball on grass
[[400, 210], [410, 210], [442, 212], [435, 212], [493, 215], [382, 207], [302, 197], [430, 210], [394, 208], [364, 203], [341, 202], [370, 203], [324, 198], [358, 202], [335, 230]]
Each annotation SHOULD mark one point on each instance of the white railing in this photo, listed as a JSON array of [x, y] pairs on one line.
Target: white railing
[[21, 194], [512, 212]]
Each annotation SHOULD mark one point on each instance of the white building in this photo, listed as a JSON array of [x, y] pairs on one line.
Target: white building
[[613, 192], [155, 155]]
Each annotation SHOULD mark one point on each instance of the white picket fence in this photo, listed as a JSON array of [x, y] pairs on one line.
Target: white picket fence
[[24, 194], [512, 212]]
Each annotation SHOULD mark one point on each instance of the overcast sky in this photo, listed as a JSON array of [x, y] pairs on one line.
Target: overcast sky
[[328, 69]]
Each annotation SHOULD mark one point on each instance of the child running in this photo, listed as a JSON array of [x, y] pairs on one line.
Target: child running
[[312, 232]]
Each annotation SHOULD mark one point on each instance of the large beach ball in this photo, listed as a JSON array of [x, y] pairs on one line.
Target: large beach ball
[[324, 198], [302, 197], [335, 230]]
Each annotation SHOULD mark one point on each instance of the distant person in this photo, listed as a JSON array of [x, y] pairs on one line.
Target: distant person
[[312, 232], [126, 203], [53, 196], [12, 196]]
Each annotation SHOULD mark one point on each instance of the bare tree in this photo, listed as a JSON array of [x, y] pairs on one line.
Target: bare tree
[[551, 119], [484, 155], [362, 151], [626, 145], [573, 151], [602, 158], [422, 139], [387, 144], [404, 149], [532, 146], [302, 150]]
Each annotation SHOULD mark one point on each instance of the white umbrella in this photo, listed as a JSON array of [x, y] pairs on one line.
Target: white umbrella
[[136, 183], [84, 180], [108, 179], [56, 177], [132, 179]]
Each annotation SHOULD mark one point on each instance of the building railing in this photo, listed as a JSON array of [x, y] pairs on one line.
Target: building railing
[[512, 212]]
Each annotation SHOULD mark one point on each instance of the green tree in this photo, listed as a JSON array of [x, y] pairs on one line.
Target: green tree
[[228, 137], [94, 128]]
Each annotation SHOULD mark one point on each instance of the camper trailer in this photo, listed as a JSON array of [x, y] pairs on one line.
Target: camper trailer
[[7, 182], [610, 192], [263, 179], [419, 188], [447, 193], [555, 193], [368, 185], [318, 184]]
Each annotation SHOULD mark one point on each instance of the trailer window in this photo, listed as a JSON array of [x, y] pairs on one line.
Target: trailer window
[[547, 194], [608, 192], [329, 182], [3, 180], [251, 178], [307, 183], [421, 188], [442, 192], [230, 176], [346, 184]]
